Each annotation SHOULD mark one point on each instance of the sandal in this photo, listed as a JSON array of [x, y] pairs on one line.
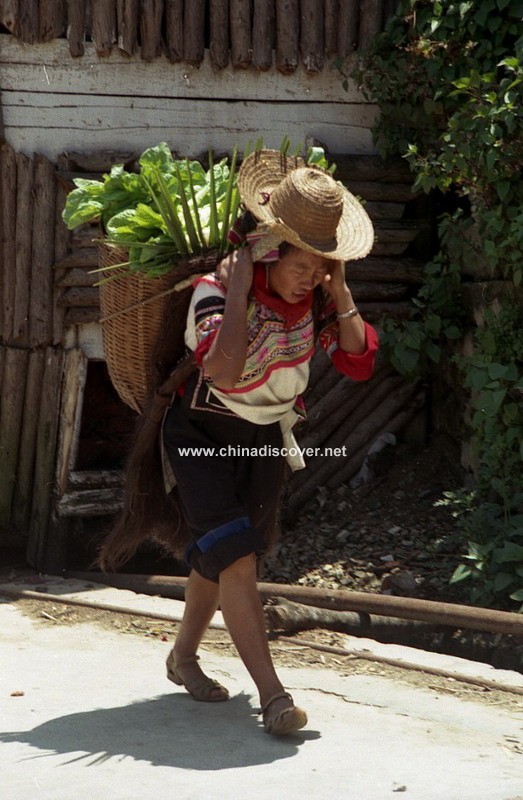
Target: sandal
[[205, 689], [287, 720]]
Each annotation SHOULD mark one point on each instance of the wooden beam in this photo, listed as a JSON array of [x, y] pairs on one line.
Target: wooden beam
[[62, 238], [12, 403], [263, 33], [219, 33], [287, 35], [51, 19], [104, 25], [371, 168], [44, 476], [371, 22], [402, 270], [332, 20], [81, 316], [76, 27], [23, 493], [194, 31], [174, 30], [28, 21], [7, 239], [24, 227], [241, 34], [81, 297], [151, 16], [348, 27], [312, 34], [43, 251], [127, 13], [9, 16], [75, 377], [91, 503], [95, 479]]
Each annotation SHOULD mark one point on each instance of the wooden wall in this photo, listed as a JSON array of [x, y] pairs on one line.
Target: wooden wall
[[241, 33], [53, 104]]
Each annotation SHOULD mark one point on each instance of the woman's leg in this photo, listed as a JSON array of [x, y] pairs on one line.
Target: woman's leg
[[243, 614], [201, 601]]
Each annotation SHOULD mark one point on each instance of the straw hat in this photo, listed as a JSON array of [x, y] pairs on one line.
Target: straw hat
[[303, 205]]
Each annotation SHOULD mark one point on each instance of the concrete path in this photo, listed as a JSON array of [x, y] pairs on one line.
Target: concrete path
[[88, 713]]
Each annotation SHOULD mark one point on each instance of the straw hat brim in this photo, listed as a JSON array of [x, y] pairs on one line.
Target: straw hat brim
[[262, 172]]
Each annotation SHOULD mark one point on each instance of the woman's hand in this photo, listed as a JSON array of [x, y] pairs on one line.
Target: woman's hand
[[334, 282], [235, 271]]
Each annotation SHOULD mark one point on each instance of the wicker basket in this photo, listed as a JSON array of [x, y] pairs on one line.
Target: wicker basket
[[133, 309], [130, 325]]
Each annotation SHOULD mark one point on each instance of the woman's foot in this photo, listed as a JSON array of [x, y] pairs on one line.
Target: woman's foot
[[281, 716], [187, 672]]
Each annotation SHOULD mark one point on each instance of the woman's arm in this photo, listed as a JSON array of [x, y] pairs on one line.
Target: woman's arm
[[352, 328], [225, 361]]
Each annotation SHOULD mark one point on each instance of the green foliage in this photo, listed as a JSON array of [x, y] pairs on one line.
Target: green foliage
[[493, 373], [170, 208], [493, 563], [448, 80]]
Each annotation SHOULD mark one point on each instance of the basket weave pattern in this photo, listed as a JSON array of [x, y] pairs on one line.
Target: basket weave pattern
[[129, 337], [133, 315]]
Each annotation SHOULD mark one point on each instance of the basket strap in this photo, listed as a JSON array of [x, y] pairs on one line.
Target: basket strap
[[163, 395], [176, 288]]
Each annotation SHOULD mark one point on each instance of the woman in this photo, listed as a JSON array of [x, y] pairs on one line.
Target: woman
[[251, 328]]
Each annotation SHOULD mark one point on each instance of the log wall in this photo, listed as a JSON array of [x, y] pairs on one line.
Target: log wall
[[245, 33], [53, 103]]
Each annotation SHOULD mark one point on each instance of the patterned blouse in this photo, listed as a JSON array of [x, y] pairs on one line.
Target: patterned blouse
[[280, 347]]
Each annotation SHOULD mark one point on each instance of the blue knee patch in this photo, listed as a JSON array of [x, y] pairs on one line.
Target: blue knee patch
[[209, 539]]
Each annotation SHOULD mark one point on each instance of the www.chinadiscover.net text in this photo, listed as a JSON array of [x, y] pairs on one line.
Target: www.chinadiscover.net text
[[265, 451]]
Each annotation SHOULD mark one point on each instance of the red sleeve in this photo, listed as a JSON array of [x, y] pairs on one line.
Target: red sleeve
[[204, 346], [358, 367]]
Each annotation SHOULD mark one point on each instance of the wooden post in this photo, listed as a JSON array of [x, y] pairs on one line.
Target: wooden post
[[174, 30], [348, 27], [76, 27], [75, 376], [393, 425], [28, 21], [151, 14], [22, 264], [13, 390], [44, 474], [127, 25], [311, 35], [287, 34], [104, 25], [9, 16], [51, 19], [263, 34], [371, 22], [333, 471], [25, 473], [194, 31], [241, 36], [332, 20], [219, 33], [41, 301], [62, 239], [7, 239]]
